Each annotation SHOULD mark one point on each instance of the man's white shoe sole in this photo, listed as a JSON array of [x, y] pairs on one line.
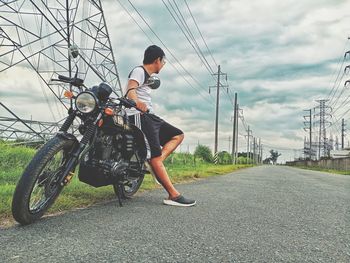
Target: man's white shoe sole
[[173, 203]]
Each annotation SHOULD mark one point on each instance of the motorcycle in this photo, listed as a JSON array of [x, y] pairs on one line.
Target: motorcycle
[[111, 151]]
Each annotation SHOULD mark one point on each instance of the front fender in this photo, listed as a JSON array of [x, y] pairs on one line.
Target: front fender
[[67, 136]]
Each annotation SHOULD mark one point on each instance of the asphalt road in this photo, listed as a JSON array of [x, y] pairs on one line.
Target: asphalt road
[[261, 214]]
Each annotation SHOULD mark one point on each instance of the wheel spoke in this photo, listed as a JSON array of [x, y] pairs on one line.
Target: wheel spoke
[[37, 198], [130, 185], [42, 190]]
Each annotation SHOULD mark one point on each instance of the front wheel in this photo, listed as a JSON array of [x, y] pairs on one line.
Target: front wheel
[[39, 186], [129, 188]]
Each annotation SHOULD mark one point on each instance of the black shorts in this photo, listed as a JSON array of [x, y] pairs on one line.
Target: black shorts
[[158, 132]]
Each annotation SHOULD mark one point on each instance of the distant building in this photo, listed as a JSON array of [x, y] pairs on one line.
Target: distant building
[[340, 153]]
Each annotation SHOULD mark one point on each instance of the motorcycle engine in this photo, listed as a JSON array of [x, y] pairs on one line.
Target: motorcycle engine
[[108, 160], [110, 154]]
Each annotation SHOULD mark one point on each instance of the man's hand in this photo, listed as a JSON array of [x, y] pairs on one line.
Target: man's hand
[[141, 106]]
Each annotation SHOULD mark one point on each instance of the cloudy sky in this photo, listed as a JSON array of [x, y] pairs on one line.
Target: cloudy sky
[[279, 56]]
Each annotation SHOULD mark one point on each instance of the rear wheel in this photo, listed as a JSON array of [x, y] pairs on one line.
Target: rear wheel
[[38, 187], [129, 188]]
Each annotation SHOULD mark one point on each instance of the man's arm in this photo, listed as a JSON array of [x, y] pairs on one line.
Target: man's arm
[[132, 95]]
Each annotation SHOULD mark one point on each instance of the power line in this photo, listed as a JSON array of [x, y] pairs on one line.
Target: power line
[[155, 34], [343, 89], [194, 39], [342, 60], [335, 82], [144, 20], [340, 117], [340, 94], [189, 10], [185, 26]]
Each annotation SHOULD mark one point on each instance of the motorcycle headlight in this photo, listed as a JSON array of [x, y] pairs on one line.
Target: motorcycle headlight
[[86, 102]]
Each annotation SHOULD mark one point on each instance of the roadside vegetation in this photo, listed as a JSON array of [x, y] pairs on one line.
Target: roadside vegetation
[[182, 167]]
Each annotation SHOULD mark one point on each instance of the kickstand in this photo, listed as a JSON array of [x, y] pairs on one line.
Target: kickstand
[[120, 189]]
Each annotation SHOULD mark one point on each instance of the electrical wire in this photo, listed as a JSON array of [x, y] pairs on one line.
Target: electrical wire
[[179, 63], [205, 43], [193, 43]]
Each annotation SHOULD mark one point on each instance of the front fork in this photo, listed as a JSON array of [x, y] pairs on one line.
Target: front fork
[[75, 154]]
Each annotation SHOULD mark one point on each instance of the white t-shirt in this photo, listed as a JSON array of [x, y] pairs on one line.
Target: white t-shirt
[[143, 93]]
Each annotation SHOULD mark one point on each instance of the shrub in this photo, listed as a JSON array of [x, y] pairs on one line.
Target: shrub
[[204, 152]]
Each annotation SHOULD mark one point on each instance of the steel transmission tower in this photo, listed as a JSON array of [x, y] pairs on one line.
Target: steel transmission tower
[[308, 127], [323, 116], [13, 127], [42, 35]]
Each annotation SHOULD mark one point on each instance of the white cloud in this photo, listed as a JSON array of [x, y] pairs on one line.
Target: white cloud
[[279, 55]]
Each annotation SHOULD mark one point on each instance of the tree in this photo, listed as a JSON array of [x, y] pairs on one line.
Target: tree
[[224, 157], [274, 156], [204, 152], [243, 158], [267, 161]]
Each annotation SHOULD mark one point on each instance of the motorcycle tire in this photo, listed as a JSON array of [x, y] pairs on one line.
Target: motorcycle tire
[[37, 176], [129, 188]]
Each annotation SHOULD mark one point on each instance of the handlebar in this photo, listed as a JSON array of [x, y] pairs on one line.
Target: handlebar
[[74, 81], [64, 78], [129, 103]]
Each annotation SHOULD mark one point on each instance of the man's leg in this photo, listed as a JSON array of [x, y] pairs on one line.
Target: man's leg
[[159, 168], [162, 176], [171, 145]]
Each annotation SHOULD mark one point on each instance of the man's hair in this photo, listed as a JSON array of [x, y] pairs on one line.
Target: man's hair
[[152, 53]]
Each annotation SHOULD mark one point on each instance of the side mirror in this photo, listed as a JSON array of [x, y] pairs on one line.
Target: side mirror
[[153, 82]]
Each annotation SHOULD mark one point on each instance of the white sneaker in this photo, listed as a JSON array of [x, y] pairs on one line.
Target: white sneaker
[[179, 201]]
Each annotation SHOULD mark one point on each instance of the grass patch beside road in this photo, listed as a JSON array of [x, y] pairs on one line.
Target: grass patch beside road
[[13, 160]]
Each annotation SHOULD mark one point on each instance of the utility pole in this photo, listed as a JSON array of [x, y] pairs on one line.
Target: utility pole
[[248, 145], [218, 85], [336, 143], [229, 143], [217, 111], [235, 130], [309, 127], [254, 152], [236, 135], [258, 151], [342, 133], [261, 151]]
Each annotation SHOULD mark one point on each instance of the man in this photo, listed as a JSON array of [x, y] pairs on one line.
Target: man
[[158, 132]]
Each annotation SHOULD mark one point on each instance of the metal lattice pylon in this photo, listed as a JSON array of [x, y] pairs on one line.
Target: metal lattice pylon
[[324, 114], [14, 128], [40, 34]]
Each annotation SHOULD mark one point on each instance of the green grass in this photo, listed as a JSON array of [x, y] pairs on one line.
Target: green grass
[[315, 168], [13, 160]]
